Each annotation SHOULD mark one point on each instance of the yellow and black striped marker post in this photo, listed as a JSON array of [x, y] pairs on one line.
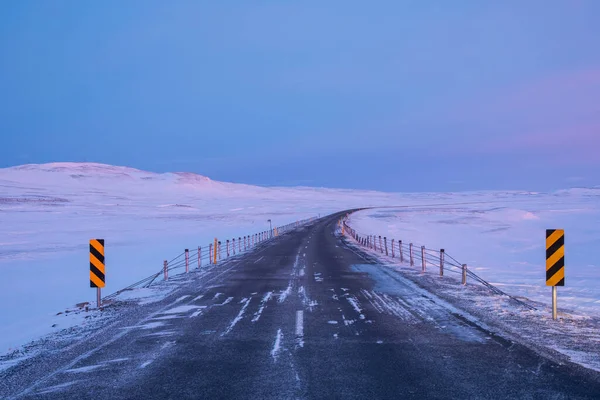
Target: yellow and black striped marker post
[[555, 262], [97, 266]]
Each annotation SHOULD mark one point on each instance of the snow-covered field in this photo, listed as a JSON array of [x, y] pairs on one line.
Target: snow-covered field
[[49, 212], [504, 241]]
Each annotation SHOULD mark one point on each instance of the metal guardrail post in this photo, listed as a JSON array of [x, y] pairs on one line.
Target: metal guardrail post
[[442, 262], [401, 251], [187, 261]]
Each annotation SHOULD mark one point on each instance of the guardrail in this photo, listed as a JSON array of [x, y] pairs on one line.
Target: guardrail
[[213, 254], [421, 256]]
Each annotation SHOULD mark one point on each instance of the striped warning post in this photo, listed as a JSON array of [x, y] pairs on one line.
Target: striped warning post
[[97, 270], [555, 257]]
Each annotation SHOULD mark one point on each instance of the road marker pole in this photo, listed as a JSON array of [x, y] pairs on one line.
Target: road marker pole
[[464, 274], [385, 242], [555, 263], [442, 257], [215, 252], [423, 259], [199, 256], [166, 269], [393, 255], [97, 268], [554, 306], [412, 260]]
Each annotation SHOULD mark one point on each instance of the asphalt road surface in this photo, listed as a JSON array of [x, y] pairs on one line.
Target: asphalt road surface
[[303, 317]]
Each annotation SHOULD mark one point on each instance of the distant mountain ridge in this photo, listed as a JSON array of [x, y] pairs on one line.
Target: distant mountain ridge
[[83, 170]]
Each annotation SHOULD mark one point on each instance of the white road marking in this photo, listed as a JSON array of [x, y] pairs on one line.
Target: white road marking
[[146, 363], [258, 259], [299, 323]]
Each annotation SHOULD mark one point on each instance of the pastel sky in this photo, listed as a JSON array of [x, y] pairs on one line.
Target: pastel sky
[[391, 95]]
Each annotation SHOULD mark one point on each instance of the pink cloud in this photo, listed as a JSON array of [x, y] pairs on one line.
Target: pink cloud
[[571, 93], [558, 114]]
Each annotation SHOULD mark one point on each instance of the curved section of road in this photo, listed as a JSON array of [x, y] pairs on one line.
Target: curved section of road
[[305, 317]]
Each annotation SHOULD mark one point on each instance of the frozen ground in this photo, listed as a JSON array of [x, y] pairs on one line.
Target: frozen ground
[[504, 242]]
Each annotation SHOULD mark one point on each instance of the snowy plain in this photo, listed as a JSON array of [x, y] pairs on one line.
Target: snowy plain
[[49, 212], [504, 243]]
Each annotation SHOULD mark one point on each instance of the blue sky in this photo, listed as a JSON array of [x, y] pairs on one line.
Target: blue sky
[[389, 95]]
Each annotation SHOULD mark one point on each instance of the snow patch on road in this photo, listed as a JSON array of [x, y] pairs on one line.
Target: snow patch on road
[[56, 388], [227, 301], [182, 309], [263, 304], [285, 293], [277, 345], [356, 305], [238, 318]]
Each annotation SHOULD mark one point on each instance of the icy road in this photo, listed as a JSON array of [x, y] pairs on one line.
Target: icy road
[[304, 317]]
